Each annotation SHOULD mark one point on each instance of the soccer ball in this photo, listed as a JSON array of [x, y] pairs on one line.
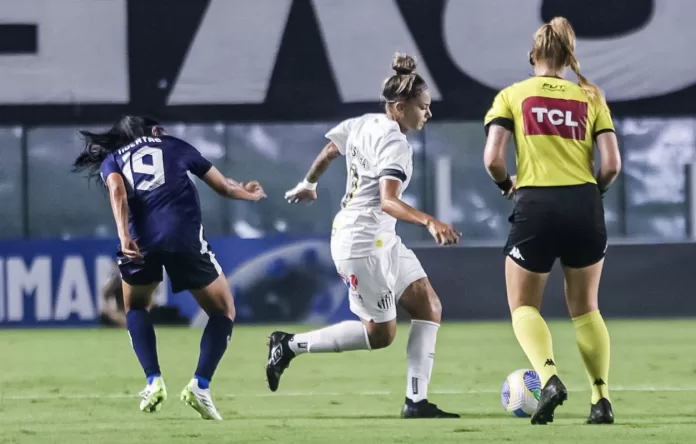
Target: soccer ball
[[520, 392]]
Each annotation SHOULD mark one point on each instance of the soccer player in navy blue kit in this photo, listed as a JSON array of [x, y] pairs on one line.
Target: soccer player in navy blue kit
[[158, 219]]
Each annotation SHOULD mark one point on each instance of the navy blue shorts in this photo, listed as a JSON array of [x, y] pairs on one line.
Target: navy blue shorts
[[190, 270]]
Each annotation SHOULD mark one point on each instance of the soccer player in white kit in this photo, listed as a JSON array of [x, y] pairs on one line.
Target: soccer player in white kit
[[378, 269]]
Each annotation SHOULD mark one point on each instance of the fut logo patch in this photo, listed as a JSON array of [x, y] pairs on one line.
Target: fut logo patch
[[553, 88], [545, 116]]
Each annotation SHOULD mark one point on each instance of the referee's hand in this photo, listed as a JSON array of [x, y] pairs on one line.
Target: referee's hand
[[511, 192], [443, 233]]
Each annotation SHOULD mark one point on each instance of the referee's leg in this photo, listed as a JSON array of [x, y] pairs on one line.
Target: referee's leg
[[525, 291], [582, 256], [592, 336], [531, 252]]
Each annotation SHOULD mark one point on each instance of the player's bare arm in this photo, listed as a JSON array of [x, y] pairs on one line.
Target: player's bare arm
[[307, 189], [119, 206], [494, 159], [610, 160], [390, 203], [321, 163], [232, 189]]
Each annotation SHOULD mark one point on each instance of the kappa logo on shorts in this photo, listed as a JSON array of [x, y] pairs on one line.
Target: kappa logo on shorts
[[386, 302], [515, 252]]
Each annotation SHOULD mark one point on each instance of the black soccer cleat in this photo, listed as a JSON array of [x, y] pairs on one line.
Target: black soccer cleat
[[553, 394], [424, 409], [601, 413], [279, 357]]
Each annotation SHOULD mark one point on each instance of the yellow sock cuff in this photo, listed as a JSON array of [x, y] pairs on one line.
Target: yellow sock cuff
[[587, 318], [522, 312]]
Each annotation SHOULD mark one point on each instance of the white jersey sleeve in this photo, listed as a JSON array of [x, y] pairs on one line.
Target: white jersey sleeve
[[394, 159], [339, 134]]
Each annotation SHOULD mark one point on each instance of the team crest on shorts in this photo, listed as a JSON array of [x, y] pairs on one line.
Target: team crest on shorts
[[350, 281], [386, 301]]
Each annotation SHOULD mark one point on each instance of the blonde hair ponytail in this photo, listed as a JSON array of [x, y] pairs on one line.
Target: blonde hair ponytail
[[593, 92], [554, 42]]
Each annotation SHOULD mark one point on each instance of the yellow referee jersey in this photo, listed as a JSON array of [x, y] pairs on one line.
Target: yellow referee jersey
[[554, 125]]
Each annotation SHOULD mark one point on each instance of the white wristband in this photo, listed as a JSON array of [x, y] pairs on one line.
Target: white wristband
[[308, 185]]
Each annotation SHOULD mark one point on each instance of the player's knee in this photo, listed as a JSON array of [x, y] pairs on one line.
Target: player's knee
[[435, 308], [421, 302], [136, 303], [381, 335], [381, 340], [219, 307], [227, 306], [230, 312], [216, 298], [581, 307]]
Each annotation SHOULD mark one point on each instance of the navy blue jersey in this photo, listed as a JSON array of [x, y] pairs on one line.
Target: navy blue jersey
[[164, 209]]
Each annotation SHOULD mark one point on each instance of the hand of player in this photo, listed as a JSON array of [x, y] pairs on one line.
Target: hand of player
[[300, 194], [252, 186], [130, 249], [443, 233], [255, 190]]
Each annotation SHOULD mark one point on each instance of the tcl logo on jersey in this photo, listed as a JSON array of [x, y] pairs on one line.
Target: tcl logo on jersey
[[544, 116]]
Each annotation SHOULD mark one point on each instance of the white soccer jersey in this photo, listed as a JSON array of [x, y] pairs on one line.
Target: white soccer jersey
[[375, 149]]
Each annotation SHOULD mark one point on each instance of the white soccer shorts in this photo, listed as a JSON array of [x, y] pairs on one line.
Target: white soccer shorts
[[375, 283]]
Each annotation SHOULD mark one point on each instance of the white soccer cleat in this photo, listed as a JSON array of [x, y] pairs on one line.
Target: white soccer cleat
[[199, 399], [153, 395]]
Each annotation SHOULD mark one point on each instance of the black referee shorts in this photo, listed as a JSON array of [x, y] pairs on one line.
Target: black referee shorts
[[557, 222]]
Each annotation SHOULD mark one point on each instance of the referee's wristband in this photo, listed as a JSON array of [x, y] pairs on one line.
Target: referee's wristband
[[308, 185], [505, 185]]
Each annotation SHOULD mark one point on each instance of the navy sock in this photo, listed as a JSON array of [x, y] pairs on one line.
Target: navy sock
[[216, 335], [142, 334]]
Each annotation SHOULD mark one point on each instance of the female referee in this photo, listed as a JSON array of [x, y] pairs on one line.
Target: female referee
[[558, 210]]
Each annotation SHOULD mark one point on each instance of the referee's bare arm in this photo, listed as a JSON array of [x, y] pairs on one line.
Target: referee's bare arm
[[494, 153], [494, 158], [610, 159]]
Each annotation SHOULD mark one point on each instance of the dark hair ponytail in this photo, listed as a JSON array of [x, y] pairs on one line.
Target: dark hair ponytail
[[99, 145]]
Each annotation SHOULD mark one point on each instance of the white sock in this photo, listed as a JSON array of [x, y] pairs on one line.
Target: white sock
[[420, 354], [344, 336]]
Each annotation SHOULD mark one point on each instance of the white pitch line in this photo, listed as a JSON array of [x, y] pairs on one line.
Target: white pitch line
[[49, 396]]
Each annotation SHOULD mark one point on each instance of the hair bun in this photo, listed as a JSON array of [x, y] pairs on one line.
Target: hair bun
[[403, 64]]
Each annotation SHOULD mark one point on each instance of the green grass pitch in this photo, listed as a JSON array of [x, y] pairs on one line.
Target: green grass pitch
[[80, 386]]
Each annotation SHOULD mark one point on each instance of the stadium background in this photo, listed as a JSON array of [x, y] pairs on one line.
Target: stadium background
[[255, 85]]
